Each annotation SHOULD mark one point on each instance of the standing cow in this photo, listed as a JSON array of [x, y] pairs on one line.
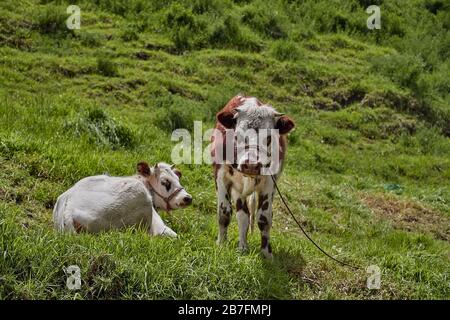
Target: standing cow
[[243, 174], [101, 203]]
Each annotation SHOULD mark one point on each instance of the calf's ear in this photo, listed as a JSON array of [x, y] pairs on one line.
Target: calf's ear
[[177, 172], [143, 169], [227, 119], [284, 124]]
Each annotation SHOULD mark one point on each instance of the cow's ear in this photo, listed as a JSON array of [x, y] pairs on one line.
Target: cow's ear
[[284, 124], [227, 119], [177, 172], [143, 169]]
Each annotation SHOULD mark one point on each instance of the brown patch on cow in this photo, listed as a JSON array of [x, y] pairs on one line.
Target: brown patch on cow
[[226, 119], [284, 125], [242, 205], [408, 215], [224, 220], [239, 204], [262, 198], [143, 168], [264, 242], [262, 222], [230, 170], [245, 208], [78, 226], [224, 215]]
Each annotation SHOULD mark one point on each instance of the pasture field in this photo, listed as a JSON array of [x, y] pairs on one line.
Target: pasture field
[[368, 165]]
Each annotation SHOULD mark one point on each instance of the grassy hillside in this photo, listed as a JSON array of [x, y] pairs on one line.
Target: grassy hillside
[[368, 167]]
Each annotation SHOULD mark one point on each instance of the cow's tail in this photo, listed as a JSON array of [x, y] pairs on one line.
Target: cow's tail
[[251, 204]]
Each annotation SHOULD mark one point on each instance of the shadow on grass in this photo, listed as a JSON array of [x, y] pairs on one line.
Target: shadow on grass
[[286, 269]]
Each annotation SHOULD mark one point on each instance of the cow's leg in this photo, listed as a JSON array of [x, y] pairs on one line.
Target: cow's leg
[[243, 218], [158, 227], [224, 209], [251, 202], [79, 221], [264, 218]]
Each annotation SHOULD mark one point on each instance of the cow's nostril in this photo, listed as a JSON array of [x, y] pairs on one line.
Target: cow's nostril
[[187, 200]]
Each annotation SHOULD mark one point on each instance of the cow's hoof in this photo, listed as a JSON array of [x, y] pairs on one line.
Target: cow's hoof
[[242, 248], [220, 242], [267, 255], [169, 233]]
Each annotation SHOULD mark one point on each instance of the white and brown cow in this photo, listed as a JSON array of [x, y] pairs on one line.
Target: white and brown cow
[[242, 174], [101, 203]]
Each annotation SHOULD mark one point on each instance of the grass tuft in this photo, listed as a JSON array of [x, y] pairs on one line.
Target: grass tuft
[[107, 67]]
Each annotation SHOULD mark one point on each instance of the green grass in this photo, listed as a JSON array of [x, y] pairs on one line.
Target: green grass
[[368, 166]]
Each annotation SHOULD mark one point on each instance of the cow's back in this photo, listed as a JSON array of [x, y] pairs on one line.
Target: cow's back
[[102, 202]]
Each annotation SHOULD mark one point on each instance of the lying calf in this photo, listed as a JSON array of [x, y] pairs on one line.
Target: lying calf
[[102, 203]]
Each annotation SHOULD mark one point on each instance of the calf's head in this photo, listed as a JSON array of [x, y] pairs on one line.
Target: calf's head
[[256, 136], [164, 182]]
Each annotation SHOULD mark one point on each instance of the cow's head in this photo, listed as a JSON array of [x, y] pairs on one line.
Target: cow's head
[[257, 130], [164, 182]]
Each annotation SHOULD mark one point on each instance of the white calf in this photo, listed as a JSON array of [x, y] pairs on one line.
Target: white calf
[[102, 203]]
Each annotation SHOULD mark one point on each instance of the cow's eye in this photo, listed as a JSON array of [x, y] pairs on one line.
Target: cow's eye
[[167, 184]]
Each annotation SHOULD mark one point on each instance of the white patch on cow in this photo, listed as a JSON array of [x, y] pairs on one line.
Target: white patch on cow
[[102, 203], [252, 116]]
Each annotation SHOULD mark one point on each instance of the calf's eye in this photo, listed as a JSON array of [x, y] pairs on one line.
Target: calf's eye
[[167, 184]]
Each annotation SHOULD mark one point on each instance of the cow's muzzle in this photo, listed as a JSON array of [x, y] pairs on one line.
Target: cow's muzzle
[[187, 200], [250, 169]]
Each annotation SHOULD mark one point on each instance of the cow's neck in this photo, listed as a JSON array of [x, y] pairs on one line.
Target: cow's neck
[[246, 185], [149, 183]]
